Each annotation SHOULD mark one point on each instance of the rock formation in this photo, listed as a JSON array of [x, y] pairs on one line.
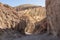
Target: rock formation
[[34, 14], [53, 16], [21, 20], [8, 17], [36, 27]]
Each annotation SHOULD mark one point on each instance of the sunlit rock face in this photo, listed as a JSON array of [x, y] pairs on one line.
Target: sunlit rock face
[[35, 27], [8, 16], [28, 25], [24, 21], [35, 15], [53, 16]]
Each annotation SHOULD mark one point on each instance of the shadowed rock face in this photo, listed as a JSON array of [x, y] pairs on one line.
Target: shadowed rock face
[[53, 16], [24, 20]]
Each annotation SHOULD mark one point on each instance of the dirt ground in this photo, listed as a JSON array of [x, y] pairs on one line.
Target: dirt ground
[[14, 35]]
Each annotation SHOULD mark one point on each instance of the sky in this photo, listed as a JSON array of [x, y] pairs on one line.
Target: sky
[[20, 2]]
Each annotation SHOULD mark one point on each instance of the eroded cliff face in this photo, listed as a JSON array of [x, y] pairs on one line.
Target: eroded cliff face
[[8, 17], [35, 14], [53, 16], [24, 21]]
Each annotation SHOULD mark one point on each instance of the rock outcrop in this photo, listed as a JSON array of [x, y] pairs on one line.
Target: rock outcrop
[[39, 27], [34, 14], [53, 16], [21, 20], [8, 17]]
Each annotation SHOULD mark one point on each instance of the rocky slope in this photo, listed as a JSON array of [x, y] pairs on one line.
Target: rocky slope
[[16, 20], [36, 12], [33, 14], [8, 16]]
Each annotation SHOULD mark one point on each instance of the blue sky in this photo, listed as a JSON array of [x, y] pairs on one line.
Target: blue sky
[[20, 2]]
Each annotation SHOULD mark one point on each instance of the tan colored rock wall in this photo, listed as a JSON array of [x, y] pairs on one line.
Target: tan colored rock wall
[[18, 20]]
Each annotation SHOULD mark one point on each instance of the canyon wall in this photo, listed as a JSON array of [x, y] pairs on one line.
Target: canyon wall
[[53, 16]]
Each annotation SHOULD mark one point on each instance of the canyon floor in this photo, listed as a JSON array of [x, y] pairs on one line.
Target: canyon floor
[[14, 35]]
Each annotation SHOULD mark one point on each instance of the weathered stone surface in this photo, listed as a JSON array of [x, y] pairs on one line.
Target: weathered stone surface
[[8, 17], [14, 24], [21, 20], [53, 16], [36, 27]]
